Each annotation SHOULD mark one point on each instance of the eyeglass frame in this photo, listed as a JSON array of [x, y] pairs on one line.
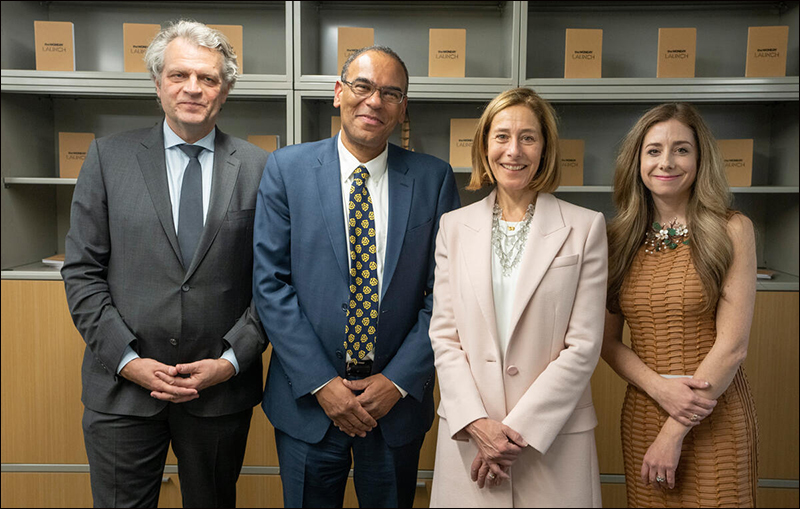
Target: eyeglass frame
[[363, 81]]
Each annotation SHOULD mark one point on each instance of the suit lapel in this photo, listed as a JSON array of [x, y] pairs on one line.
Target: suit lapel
[[545, 238], [153, 165], [329, 189], [401, 188], [476, 230], [223, 181]]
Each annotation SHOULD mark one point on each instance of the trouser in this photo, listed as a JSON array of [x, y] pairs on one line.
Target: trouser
[[127, 455]]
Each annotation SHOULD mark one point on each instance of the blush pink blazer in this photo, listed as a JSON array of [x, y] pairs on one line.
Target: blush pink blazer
[[540, 387]]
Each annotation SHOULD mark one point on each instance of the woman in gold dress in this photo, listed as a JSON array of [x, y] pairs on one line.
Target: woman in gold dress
[[682, 273]]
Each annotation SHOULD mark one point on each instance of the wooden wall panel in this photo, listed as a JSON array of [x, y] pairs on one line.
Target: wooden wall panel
[[41, 375], [773, 370]]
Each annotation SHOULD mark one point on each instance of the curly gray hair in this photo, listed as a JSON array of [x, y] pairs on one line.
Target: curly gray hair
[[196, 33]]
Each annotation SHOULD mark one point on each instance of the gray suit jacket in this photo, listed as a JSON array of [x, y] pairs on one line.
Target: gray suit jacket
[[126, 284]]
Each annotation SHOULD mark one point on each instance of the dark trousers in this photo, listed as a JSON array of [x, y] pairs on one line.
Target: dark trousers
[[127, 455], [315, 475]]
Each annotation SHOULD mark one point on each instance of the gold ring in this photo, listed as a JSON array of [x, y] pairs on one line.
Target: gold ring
[[492, 476], [693, 418]]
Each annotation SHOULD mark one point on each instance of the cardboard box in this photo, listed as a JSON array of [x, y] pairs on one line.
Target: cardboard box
[[336, 125], [737, 156], [570, 158], [584, 53], [72, 150], [766, 51], [55, 45], [447, 52], [136, 38], [351, 40], [235, 35], [462, 132], [269, 142], [677, 52]]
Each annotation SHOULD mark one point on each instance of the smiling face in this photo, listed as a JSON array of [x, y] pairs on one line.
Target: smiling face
[[515, 144], [190, 89], [668, 161], [368, 122]]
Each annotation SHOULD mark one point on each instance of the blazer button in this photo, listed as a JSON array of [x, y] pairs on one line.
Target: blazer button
[[344, 308], [512, 370], [185, 288], [339, 354], [173, 341]]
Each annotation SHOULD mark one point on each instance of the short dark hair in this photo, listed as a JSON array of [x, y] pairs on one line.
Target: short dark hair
[[381, 49]]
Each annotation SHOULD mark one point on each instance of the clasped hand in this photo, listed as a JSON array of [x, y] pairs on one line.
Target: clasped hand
[[358, 414], [498, 448], [678, 398], [166, 382]]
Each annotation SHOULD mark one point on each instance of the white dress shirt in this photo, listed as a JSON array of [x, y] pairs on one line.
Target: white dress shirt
[[503, 289], [378, 187], [177, 161]]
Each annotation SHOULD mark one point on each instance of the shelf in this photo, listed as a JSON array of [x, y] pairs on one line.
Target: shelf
[[36, 271], [39, 271], [125, 84], [639, 90], [7, 181]]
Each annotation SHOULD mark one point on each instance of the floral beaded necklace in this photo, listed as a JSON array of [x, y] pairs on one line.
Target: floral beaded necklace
[[668, 236]]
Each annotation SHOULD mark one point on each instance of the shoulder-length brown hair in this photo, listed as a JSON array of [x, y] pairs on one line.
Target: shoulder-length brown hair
[[548, 174], [707, 212]]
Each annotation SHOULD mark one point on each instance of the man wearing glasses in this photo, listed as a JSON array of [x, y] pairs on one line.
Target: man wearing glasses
[[343, 252]]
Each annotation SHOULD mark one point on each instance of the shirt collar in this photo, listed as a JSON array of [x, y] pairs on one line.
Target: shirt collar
[[348, 162], [173, 140]]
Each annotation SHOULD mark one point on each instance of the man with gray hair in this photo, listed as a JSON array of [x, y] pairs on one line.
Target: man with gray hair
[[158, 275]]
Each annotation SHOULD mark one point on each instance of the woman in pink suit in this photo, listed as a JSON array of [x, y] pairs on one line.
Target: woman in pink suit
[[517, 324]]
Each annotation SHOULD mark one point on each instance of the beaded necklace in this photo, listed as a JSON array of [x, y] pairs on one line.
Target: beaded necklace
[[509, 248]]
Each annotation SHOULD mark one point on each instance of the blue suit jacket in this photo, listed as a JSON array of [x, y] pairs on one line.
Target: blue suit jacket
[[301, 284]]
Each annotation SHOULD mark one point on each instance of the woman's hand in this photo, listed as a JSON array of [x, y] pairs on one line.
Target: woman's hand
[[498, 445], [661, 460], [677, 397], [481, 473]]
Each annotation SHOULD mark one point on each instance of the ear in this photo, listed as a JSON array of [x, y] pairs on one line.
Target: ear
[[403, 107], [337, 94]]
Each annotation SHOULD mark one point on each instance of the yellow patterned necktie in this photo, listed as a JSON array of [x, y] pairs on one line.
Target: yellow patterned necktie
[[362, 313]]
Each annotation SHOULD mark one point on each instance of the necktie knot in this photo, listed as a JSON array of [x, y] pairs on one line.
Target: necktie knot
[[362, 173], [191, 150]]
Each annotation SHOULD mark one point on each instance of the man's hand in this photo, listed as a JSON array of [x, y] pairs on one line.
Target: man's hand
[[379, 395], [346, 412], [153, 376], [202, 374]]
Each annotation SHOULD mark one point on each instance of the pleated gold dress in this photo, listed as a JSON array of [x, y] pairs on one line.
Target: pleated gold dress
[[661, 300]]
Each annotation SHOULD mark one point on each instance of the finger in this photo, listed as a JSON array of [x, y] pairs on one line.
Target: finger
[[482, 473], [498, 472], [671, 478], [356, 385], [645, 473], [696, 383], [186, 369], [476, 465], [364, 417]]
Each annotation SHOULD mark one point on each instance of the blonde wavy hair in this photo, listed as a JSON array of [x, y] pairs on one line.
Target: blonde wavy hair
[[548, 174], [707, 213]]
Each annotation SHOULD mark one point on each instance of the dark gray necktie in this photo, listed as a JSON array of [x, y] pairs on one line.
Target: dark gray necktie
[[190, 213]]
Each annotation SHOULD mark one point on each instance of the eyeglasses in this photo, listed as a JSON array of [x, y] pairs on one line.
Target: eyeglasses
[[365, 89]]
